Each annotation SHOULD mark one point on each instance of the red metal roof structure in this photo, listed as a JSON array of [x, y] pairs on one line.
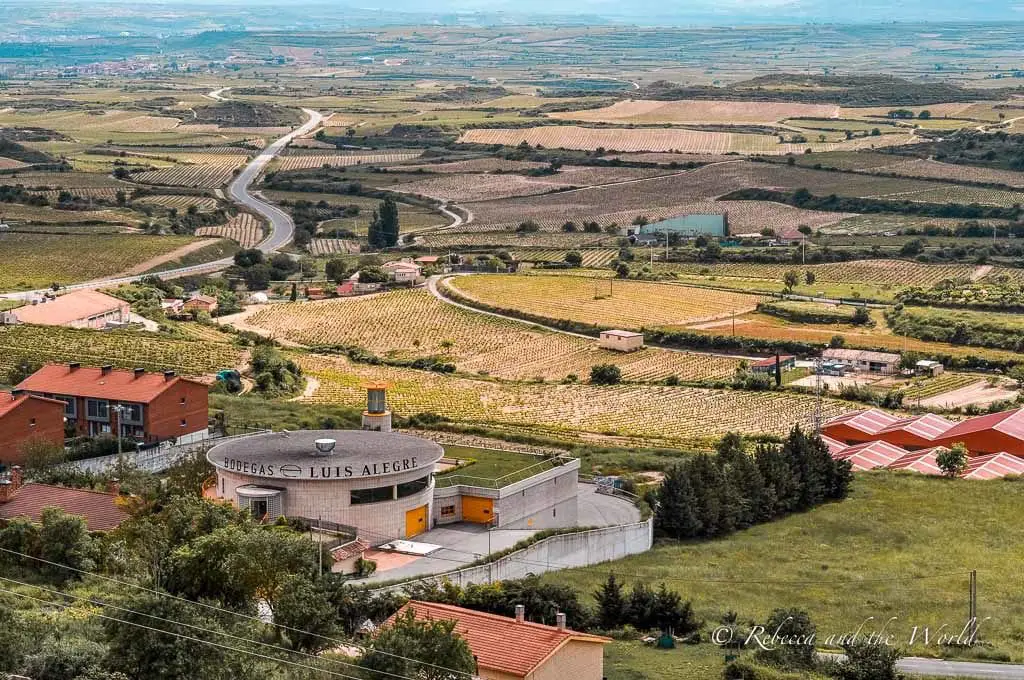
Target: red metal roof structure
[[99, 509], [992, 433], [916, 432], [857, 427], [871, 456], [770, 361], [100, 383], [923, 462], [993, 466], [501, 644], [834, 445]]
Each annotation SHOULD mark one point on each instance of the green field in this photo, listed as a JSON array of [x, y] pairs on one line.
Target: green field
[[902, 545], [488, 466]]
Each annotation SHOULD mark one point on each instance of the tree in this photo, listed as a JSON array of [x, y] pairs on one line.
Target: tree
[[570, 227], [389, 226], [527, 226], [837, 342], [674, 514], [304, 615], [805, 230], [952, 461], [23, 368], [641, 607], [798, 652], [38, 454], [790, 279], [258, 277], [249, 257], [925, 114], [424, 649], [64, 539], [611, 605], [866, 661], [672, 614], [64, 658], [605, 374], [1017, 373], [336, 270], [911, 248], [372, 275], [622, 270], [861, 316], [574, 258], [294, 296]]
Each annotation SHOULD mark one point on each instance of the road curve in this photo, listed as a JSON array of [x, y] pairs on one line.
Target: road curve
[[282, 228], [940, 668]]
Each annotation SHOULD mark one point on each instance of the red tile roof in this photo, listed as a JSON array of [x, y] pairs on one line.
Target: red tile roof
[[79, 304], [8, 402], [871, 455], [99, 509], [928, 426], [993, 466], [498, 642], [119, 385], [770, 361]]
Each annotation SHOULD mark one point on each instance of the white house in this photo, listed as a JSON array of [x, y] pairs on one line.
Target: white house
[[621, 341], [403, 271]]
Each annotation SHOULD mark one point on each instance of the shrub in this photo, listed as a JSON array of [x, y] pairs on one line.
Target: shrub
[[605, 374]]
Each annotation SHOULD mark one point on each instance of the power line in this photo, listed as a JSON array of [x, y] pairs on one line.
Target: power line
[[228, 611], [100, 603]]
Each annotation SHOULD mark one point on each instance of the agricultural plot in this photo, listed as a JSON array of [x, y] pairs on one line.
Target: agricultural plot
[[323, 247], [407, 324], [699, 111], [32, 261], [304, 162], [126, 349], [21, 215], [67, 181], [608, 304], [195, 176], [103, 193], [661, 139], [951, 171], [180, 202], [448, 239], [11, 164], [476, 165], [244, 228], [656, 414], [482, 187], [954, 193], [898, 273], [591, 258]]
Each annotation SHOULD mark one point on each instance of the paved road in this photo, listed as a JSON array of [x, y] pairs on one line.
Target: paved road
[[953, 669], [282, 228]]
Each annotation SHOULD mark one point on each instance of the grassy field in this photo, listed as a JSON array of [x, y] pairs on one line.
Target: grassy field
[[36, 260], [628, 304], [900, 546], [406, 324], [487, 465]]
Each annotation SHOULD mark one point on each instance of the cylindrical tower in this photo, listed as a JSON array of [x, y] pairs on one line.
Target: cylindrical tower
[[377, 416]]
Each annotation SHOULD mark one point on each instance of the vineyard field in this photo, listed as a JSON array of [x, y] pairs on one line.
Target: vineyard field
[[407, 324], [125, 349], [450, 239], [591, 258], [182, 203], [951, 171], [304, 162], [876, 272], [33, 261], [677, 416], [196, 176], [243, 228], [694, 111], [631, 304], [11, 164], [331, 246]]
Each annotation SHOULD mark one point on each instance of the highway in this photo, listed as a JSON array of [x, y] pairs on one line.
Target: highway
[[281, 227]]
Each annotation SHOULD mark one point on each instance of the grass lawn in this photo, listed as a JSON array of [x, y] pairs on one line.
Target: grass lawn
[[490, 464], [841, 562]]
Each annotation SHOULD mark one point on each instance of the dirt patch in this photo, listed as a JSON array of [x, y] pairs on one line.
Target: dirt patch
[[153, 262], [979, 393]]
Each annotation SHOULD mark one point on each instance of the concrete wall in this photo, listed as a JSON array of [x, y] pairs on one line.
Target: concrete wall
[[577, 660], [544, 501], [564, 551]]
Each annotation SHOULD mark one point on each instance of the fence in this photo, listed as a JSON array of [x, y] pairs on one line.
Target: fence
[[563, 551], [155, 459]]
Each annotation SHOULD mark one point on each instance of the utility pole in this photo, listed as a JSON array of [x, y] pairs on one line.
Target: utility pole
[[320, 545], [972, 614], [817, 396]]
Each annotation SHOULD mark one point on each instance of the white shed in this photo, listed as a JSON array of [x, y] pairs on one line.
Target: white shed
[[621, 341]]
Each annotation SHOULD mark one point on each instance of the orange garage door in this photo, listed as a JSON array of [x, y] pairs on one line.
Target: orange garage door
[[477, 509], [415, 521]]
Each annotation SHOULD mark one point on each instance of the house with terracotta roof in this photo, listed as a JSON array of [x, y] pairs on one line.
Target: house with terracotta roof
[[99, 509], [200, 303], [992, 433], [918, 432], [77, 309], [28, 417], [857, 427], [146, 407], [506, 648]]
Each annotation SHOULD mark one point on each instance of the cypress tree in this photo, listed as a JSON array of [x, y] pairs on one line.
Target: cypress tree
[[611, 604], [779, 482], [708, 487], [388, 217], [675, 516]]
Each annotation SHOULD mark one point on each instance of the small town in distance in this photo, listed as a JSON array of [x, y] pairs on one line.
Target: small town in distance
[[478, 341]]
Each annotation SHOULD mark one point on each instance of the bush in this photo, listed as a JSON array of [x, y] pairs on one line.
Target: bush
[[605, 374]]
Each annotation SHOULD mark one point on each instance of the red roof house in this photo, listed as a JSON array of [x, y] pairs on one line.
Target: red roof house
[[857, 427], [99, 509], [992, 433], [25, 417], [156, 406], [993, 466], [916, 433], [871, 456], [514, 648]]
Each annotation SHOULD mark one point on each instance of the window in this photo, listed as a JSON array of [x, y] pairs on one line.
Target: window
[[259, 507], [183, 401], [70, 409], [132, 413], [183, 422], [377, 495], [32, 422], [413, 487], [447, 511], [97, 409]]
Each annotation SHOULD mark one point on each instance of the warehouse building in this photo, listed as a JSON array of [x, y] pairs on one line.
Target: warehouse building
[[864, 360], [77, 309]]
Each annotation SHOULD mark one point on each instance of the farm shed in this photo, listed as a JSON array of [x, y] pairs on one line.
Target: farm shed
[[928, 367], [686, 225], [506, 648], [621, 341], [77, 309], [864, 360], [787, 362], [918, 432], [992, 433], [857, 427], [871, 456]]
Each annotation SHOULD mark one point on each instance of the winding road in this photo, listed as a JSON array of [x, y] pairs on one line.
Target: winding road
[[282, 228]]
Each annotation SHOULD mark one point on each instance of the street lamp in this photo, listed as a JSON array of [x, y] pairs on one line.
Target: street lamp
[[119, 409]]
